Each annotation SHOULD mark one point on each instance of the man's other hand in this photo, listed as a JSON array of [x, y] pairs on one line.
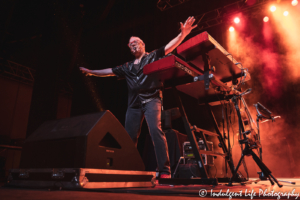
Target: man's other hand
[[187, 27], [85, 71]]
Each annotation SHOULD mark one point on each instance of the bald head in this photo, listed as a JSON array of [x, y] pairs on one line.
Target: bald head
[[134, 38], [136, 45]]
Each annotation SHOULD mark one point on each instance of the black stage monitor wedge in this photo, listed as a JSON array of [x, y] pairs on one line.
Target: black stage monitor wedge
[[96, 141]]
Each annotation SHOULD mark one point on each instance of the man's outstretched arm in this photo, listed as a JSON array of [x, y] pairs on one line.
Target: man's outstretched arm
[[186, 28], [100, 73]]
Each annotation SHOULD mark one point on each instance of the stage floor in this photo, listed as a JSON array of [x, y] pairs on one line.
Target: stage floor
[[261, 190]]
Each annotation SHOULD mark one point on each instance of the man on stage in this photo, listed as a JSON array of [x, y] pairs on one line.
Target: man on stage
[[144, 93]]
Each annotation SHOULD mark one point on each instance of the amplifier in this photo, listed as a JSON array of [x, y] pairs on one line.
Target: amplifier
[[189, 155]]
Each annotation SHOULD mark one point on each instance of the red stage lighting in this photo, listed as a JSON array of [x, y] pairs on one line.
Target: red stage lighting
[[266, 19], [250, 2], [285, 13], [273, 8], [231, 29], [294, 2], [236, 20]]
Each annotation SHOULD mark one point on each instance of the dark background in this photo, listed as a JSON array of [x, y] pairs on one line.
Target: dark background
[[55, 38]]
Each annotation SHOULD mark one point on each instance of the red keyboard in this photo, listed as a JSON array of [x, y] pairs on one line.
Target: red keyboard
[[169, 68]]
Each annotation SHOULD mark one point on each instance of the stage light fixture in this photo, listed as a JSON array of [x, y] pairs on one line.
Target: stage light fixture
[[294, 2], [231, 29], [285, 13], [266, 19], [236, 20], [272, 8]]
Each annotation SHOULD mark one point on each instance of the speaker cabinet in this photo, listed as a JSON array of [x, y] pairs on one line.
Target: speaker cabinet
[[89, 141]]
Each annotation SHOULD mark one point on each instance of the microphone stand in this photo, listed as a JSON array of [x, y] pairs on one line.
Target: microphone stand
[[269, 116], [248, 150], [260, 117]]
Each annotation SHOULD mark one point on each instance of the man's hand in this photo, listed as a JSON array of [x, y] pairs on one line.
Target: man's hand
[[85, 71], [187, 27], [100, 73]]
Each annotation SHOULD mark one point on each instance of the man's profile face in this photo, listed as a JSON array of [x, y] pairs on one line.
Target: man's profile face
[[136, 46]]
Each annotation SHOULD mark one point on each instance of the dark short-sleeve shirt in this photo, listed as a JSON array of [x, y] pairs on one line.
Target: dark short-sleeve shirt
[[141, 88]]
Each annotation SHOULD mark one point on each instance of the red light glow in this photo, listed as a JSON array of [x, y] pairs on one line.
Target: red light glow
[[236, 20], [250, 2], [294, 2], [266, 19], [272, 8], [231, 29]]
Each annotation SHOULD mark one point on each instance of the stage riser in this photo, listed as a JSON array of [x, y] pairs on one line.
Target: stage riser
[[80, 178]]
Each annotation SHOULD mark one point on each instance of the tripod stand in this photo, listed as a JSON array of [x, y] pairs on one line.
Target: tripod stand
[[267, 115], [264, 169], [249, 146], [264, 113]]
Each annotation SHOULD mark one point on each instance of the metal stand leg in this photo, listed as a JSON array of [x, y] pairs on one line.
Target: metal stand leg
[[221, 139], [264, 169], [191, 137], [260, 164], [180, 159], [235, 171]]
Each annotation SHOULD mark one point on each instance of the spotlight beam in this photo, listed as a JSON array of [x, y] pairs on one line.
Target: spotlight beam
[[294, 2], [273, 8], [237, 20], [266, 19]]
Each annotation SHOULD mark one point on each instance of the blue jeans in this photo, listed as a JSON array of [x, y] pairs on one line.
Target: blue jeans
[[133, 123]]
